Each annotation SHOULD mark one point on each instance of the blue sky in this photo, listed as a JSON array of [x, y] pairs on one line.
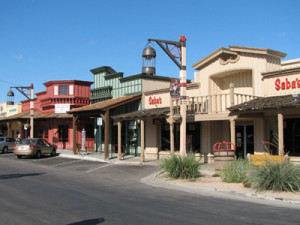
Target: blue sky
[[43, 40]]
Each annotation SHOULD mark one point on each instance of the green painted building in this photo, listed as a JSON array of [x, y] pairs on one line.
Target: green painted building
[[109, 84]]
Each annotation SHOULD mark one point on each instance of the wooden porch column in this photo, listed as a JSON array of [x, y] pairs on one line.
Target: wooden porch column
[[119, 140], [106, 134], [172, 147], [20, 127], [8, 124], [280, 134], [75, 119], [142, 140], [232, 131], [171, 126]]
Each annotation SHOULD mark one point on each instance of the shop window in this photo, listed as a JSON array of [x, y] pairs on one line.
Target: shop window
[[46, 133], [63, 135], [43, 133], [192, 137], [63, 90], [89, 131], [40, 133]]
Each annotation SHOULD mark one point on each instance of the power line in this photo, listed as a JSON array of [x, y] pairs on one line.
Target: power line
[[8, 82]]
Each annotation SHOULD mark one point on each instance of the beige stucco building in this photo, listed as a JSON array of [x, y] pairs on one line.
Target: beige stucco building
[[7, 110], [233, 98]]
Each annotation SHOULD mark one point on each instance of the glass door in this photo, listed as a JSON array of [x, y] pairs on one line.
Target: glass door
[[244, 140]]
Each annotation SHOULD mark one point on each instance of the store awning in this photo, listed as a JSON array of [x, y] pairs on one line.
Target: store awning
[[145, 113], [104, 105], [268, 103], [37, 115]]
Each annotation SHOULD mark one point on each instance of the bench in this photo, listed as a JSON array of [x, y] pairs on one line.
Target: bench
[[264, 159]]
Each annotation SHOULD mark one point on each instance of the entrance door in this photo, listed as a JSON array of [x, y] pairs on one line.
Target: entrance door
[[244, 140], [292, 137]]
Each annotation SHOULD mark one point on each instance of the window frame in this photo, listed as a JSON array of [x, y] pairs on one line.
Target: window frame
[[63, 90]]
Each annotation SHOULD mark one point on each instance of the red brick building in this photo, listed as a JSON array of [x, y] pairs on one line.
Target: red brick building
[[51, 121]]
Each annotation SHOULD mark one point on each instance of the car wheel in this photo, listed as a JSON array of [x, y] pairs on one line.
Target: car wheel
[[53, 153], [5, 150], [38, 154], [19, 156]]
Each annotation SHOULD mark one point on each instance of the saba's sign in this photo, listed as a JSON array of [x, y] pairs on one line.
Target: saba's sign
[[285, 84]]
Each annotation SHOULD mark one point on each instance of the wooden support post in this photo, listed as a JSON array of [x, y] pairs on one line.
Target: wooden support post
[[106, 134], [8, 124], [280, 134], [232, 131], [171, 126], [20, 127], [142, 140], [75, 120], [119, 140]]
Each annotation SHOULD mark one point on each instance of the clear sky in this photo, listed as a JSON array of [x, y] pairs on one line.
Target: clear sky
[[43, 40]]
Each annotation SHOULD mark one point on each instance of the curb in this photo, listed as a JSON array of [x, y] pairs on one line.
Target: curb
[[152, 180]]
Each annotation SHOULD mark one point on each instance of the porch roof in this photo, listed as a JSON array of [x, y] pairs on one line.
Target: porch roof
[[37, 115], [265, 103], [145, 113], [107, 104]]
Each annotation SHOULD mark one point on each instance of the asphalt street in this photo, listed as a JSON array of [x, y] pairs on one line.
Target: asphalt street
[[55, 190]]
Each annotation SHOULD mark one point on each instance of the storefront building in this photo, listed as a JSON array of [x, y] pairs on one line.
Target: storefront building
[[112, 95], [51, 121], [7, 110], [222, 106], [278, 109]]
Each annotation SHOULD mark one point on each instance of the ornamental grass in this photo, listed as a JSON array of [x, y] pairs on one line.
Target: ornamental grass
[[178, 167], [280, 177], [235, 171]]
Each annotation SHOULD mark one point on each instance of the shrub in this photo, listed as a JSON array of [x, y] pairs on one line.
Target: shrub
[[181, 167], [235, 171], [275, 177]]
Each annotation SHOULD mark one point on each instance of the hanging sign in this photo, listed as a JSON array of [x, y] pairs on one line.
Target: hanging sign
[[62, 108], [174, 88], [99, 121]]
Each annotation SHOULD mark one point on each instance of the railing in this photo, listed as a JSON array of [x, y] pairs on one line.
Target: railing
[[101, 93], [212, 103]]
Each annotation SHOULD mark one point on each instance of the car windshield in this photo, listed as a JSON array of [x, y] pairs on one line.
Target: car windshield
[[27, 142], [1, 138]]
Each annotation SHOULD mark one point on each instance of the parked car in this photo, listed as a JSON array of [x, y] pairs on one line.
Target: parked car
[[7, 144], [34, 147]]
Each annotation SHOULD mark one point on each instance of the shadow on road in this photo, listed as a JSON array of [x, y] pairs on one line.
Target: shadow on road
[[88, 222], [17, 175]]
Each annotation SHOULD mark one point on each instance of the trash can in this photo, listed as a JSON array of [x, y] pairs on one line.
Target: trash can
[[224, 152]]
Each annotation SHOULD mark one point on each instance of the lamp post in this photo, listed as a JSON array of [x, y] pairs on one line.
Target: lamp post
[[28, 93], [176, 50]]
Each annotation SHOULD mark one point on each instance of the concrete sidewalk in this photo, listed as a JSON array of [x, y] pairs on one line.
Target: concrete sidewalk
[[113, 158]]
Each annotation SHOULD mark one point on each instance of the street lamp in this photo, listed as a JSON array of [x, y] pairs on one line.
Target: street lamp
[[176, 50], [149, 55], [28, 93]]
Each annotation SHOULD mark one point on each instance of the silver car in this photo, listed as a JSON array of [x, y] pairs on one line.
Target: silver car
[[34, 147], [7, 144]]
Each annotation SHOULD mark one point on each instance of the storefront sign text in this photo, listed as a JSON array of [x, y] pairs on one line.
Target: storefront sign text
[[286, 84], [155, 101]]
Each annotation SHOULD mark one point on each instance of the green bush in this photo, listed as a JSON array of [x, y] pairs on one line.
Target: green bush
[[275, 177], [235, 171], [181, 167]]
